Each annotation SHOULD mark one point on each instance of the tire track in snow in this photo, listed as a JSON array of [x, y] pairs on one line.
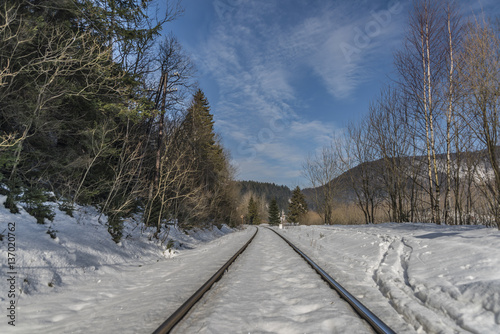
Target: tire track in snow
[[405, 295], [356, 273]]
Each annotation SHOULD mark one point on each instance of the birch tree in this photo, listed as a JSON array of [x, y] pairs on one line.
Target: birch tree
[[480, 78], [420, 67]]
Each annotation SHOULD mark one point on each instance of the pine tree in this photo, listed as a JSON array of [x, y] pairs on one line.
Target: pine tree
[[200, 136], [274, 213], [253, 212], [297, 207], [268, 190], [211, 170], [71, 96]]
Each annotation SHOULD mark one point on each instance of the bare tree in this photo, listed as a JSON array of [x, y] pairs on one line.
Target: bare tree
[[323, 171], [391, 135], [480, 79], [11, 25], [129, 177], [358, 156], [175, 72], [100, 139], [454, 31], [420, 67]]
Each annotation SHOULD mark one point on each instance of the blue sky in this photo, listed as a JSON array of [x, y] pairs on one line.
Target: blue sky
[[282, 76]]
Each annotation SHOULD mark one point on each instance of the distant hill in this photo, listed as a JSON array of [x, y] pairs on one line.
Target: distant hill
[[346, 193], [268, 190]]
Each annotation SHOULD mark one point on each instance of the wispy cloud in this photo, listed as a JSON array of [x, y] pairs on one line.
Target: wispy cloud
[[256, 53]]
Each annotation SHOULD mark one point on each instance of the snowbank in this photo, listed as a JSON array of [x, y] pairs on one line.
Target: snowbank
[[70, 270], [83, 247]]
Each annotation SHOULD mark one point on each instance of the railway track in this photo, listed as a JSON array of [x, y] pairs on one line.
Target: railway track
[[358, 308]]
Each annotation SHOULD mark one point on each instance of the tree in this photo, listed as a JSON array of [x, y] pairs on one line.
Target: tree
[[74, 109], [297, 207], [389, 133], [266, 191], [129, 29], [212, 171], [175, 70], [454, 30], [253, 212], [358, 150], [62, 64], [202, 141], [274, 212], [421, 66], [323, 171], [480, 79], [164, 124], [91, 114]]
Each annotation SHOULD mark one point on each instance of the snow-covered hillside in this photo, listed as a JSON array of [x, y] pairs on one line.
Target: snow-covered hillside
[[66, 284]]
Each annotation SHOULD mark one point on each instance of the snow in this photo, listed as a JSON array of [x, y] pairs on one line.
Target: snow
[[99, 286], [270, 289], [415, 277]]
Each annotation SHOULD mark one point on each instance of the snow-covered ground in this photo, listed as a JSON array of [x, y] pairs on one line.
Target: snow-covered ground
[[416, 277], [270, 289], [82, 282]]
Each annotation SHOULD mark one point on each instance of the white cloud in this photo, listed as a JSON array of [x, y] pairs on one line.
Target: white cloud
[[343, 40], [319, 132], [262, 170], [282, 153], [256, 63]]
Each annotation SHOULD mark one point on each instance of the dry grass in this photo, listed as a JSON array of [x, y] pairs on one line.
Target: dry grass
[[481, 212], [348, 214], [312, 218], [344, 214]]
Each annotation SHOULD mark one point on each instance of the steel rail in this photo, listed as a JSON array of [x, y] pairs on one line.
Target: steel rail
[[378, 325], [167, 326]]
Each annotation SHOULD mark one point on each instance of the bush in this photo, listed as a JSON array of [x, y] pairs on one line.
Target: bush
[[52, 233], [115, 227], [35, 199], [311, 218], [67, 208], [12, 190], [10, 203]]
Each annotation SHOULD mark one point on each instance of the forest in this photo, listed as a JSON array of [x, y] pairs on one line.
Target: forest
[[98, 107], [266, 192], [427, 149]]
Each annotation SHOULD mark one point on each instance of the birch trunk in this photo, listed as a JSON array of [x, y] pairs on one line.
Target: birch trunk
[[449, 116]]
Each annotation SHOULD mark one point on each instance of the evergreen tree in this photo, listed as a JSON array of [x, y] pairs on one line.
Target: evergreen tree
[[274, 213], [253, 212], [72, 101], [199, 130], [79, 118], [211, 174], [268, 190], [297, 207]]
